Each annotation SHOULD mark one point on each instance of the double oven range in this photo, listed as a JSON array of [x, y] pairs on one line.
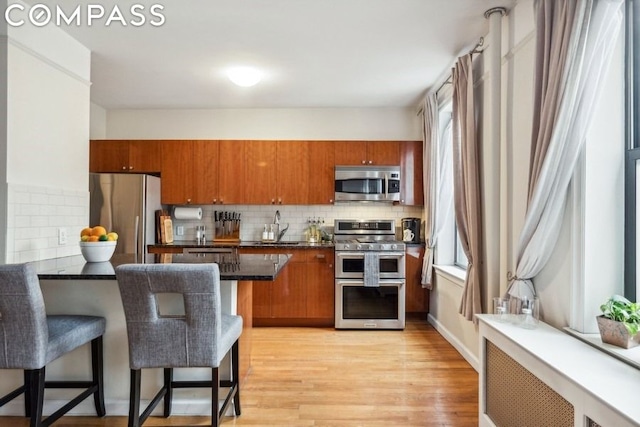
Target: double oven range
[[369, 275]]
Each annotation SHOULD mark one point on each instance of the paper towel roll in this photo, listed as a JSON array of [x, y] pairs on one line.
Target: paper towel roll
[[187, 213]]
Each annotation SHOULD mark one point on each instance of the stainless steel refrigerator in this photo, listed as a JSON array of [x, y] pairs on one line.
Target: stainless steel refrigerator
[[126, 204]]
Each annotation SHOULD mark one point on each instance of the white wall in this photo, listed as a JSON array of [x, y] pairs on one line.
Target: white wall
[[301, 123], [47, 142]]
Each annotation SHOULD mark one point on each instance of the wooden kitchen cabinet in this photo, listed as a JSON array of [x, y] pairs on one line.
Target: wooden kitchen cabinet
[[417, 297], [301, 295], [321, 286], [411, 187], [189, 172], [125, 156], [231, 173], [276, 172], [321, 173], [381, 153]]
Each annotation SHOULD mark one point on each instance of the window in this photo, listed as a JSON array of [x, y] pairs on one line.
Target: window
[[632, 137]]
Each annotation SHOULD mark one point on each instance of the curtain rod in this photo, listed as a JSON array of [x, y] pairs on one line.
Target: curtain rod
[[476, 49]]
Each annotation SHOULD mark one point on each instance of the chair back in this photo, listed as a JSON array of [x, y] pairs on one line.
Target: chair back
[[168, 341], [24, 334]]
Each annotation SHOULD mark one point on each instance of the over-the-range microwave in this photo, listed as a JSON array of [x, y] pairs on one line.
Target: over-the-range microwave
[[367, 183]]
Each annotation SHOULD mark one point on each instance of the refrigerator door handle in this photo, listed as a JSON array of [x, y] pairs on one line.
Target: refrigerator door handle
[[136, 229]]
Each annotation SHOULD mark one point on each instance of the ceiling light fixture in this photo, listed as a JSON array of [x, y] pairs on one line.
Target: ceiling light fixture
[[244, 76]]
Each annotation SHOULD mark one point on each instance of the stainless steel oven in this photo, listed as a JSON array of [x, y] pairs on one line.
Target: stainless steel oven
[[369, 275]]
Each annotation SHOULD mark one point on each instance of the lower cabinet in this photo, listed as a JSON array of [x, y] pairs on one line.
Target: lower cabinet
[[417, 297], [301, 295]]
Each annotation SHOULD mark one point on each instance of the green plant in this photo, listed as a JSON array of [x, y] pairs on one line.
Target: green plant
[[622, 310]]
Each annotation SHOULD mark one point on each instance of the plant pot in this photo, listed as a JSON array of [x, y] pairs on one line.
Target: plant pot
[[615, 333]]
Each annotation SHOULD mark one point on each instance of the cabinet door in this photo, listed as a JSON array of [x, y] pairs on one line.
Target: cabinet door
[[411, 192], [417, 297], [321, 173], [145, 156], [386, 153], [260, 173], [292, 172], [320, 285], [288, 293], [204, 172], [261, 305], [177, 176], [231, 172], [350, 153], [108, 156]]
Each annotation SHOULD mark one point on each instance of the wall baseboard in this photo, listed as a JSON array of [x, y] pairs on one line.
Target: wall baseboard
[[455, 342]]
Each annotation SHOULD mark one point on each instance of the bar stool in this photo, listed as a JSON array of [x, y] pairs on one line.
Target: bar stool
[[200, 337], [30, 340]]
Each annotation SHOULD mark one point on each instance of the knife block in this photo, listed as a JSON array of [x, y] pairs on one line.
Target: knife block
[[229, 233]]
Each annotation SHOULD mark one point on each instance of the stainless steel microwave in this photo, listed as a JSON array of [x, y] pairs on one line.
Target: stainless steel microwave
[[367, 183]]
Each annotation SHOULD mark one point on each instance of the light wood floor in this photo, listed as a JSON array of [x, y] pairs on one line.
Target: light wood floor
[[323, 377]]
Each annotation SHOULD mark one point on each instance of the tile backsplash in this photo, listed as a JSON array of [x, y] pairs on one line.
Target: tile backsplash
[[34, 217], [255, 216]]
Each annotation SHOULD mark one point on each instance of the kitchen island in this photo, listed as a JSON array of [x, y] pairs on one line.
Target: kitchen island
[[71, 285]]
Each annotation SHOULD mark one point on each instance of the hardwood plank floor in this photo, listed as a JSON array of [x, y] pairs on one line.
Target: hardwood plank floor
[[323, 377]]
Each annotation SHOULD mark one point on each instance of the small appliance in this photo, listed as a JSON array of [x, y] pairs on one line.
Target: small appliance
[[411, 230]]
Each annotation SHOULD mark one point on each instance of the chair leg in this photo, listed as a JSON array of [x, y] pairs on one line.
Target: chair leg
[[27, 393], [97, 363], [215, 385], [235, 361], [134, 398], [36, 395], [168, 378]]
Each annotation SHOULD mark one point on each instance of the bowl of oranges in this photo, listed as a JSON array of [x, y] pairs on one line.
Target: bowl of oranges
[[97, 244]]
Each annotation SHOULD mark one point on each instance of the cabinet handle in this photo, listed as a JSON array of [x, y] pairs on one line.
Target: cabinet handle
[[321, 256], [364, 162], [279, 201], [124, 168], [215, 201], [221, 201], [273, 201], [370, 162], [130, 167], [188, 201], [330, 265], [330, 200]]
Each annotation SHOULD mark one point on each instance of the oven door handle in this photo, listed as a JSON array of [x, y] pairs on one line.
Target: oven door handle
[[356, 282], [350, 254]]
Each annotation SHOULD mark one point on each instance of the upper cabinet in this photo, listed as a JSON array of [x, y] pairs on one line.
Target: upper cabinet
[[125, 156], [189, 172], [381, 153], [411, 189], [276, 172], [321, 173]]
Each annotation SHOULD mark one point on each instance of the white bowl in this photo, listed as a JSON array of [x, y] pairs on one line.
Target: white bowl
[[97, 251]]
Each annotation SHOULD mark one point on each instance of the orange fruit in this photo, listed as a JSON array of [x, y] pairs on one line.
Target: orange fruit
[[93, 239], [85, 232], [98, 230]]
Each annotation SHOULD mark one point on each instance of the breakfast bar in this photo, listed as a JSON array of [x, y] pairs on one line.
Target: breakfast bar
[[71, 285]]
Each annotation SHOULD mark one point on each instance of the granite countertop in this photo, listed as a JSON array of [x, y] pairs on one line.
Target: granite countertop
[[244, 244], [232, 266]]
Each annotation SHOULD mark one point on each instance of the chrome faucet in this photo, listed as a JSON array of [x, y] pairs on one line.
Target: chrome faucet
[[279, 233]]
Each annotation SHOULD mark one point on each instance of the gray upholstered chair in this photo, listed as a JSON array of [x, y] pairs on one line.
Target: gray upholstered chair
[[199, 338], [30, 340]]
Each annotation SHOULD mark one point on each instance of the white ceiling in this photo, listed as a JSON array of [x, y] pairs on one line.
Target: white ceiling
[[313, 53]]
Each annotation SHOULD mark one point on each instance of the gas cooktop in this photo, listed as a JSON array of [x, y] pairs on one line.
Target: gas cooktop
[[366, 235]]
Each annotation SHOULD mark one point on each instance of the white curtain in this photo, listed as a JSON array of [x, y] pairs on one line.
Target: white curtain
[[430, 183], [440, 176], [564, 110]]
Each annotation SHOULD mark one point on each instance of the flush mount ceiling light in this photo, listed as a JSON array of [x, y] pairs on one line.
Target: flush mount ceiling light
[[244, 76]]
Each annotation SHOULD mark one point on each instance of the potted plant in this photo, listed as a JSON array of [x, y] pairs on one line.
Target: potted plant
[[620, 322]]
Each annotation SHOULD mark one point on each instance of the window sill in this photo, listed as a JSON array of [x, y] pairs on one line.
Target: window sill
[[454, 273], [630, 356]]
